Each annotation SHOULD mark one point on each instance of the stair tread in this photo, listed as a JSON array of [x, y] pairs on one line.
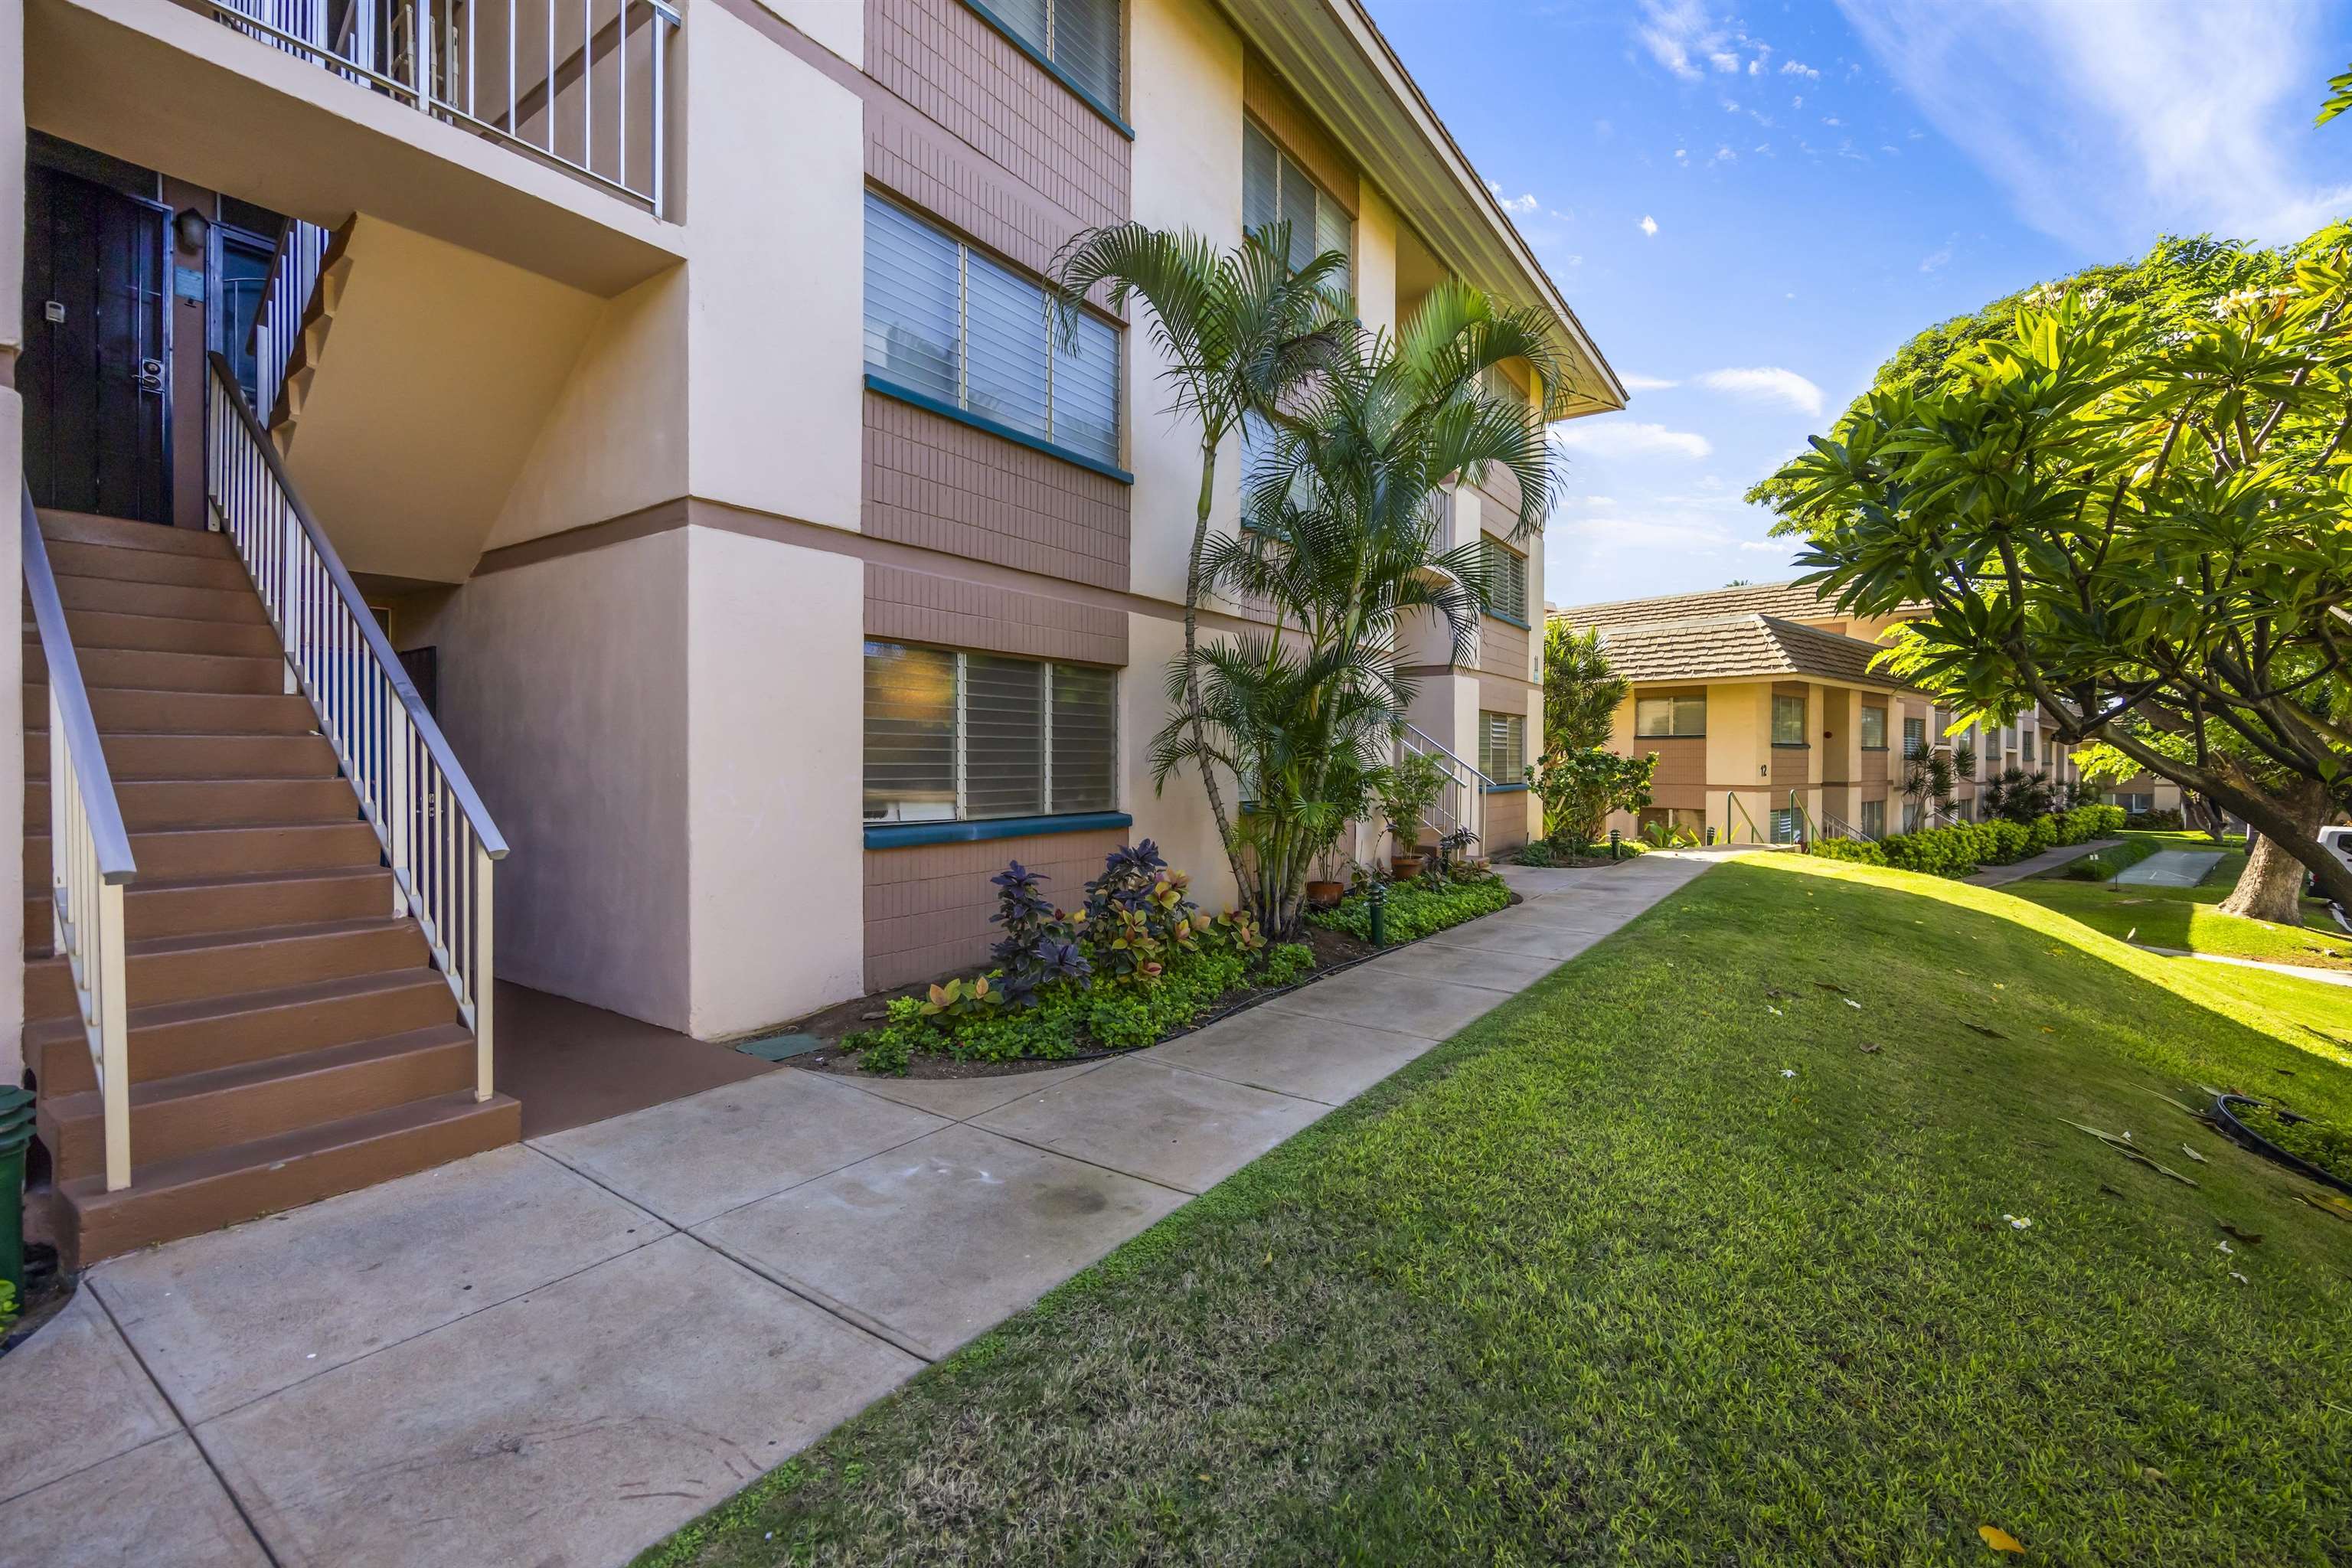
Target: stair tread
[[88, 1194], [251, 936], [88, 1103], [139, 832], [155, 1013], [242, 880]]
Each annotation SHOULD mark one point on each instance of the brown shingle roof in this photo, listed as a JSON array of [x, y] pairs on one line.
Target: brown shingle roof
[[1791, 601], [1725, 648]]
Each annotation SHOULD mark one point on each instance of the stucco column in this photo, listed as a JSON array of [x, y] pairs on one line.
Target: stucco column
[[12, 452]]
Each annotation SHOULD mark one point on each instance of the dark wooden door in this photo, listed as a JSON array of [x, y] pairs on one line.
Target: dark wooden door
[[96, 369]]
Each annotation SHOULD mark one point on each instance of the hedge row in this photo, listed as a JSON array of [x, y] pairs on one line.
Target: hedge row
[[1956, 850]]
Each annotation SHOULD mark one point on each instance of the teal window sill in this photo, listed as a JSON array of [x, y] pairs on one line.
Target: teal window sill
[[1504, 789], [924, 401], [1508, 620], [909, 835], [1037, 56]]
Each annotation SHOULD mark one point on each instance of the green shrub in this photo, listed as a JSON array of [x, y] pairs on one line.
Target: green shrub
[[1415, 910], [1860, 850], [1538, 853], [1285, 964], [2044, 832]]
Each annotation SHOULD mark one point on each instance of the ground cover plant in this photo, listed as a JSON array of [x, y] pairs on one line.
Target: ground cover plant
[[1416, 909], [1766, 1231], [1134, 963], [2191, 919]]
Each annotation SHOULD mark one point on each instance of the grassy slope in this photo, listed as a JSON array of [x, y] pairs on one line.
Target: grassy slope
[[2185, 918], [1595, 1281]]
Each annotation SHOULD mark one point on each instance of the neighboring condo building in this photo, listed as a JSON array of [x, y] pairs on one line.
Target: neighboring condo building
[[1771, 722]]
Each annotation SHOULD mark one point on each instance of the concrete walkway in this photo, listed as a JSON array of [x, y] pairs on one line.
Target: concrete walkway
[[2294, 971], [2034, 865], [557, 1353], [2169, 869]]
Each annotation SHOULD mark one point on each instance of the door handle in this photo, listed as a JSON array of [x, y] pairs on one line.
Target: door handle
[[151, 376]]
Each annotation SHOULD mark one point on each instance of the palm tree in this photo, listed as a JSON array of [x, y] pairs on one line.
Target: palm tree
[[1344, 546], [1239, 330]]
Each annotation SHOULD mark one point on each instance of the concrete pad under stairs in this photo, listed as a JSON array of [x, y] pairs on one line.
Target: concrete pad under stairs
[[288, 1037]]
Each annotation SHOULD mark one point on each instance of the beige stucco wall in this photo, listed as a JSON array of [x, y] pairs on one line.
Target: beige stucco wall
[[1178, 818], [12, 452], [564, 694], [775, 310], [775, 735]]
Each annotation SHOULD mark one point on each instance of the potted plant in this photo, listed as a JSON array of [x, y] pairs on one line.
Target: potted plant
[[1326, 889], [1411, 787]]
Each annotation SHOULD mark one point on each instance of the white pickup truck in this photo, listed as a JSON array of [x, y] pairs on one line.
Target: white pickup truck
[[2336, 841]]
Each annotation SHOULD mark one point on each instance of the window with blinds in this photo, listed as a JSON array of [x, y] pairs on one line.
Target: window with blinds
[[1915, 737], [1079, 37], [1660, 718], [1507, 579], [951, 325], [1788, 720], [955, 737], [1274, 187], [1503, 747], [1874, 729]]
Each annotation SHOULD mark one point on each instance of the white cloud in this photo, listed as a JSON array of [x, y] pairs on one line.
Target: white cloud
[[1649, 225], [1935, 259], [1675, 30], [1526, 204], [1607, 438], [1798, 67], [1768, 383], [1756, 67], [1831, 120], [1725, 61], [1647, 383], [2110, 121]]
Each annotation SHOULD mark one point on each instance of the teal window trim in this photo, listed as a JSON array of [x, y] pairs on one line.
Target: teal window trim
[[1038, 57], [892, 390], [1504, 789], [908, 834], [1508, 620]]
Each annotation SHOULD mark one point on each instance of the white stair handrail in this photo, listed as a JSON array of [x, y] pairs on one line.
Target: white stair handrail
[[89, 855], [438, 836], [1464, 804]]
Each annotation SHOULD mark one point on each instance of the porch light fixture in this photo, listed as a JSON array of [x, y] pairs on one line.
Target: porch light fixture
[[190, 228]]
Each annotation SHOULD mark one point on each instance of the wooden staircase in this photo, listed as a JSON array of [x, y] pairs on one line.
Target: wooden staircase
[[288, 1037]]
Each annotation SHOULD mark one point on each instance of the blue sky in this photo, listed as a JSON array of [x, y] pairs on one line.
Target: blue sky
[[1750, 208]]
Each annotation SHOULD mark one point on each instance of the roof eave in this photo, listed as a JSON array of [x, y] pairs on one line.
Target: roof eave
[[1332, 51]]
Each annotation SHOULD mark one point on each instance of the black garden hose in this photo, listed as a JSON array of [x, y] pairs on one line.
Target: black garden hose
[[2265, 1147]]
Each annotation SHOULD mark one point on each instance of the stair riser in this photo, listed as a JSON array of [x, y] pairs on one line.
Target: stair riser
[[189, 712], [232, 851], [167, 672], [157, 977], [198, 756], [161, 599], [197, 912], [196, 1124], [101, 1229], [167, 1050], [213, 803], [72, 558], [80, 527], [93, 629]]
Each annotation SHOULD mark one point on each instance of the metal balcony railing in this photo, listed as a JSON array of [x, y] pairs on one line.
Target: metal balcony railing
[[579, 83]]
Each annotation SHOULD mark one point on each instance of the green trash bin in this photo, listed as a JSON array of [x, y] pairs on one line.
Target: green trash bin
[[16, 1135]]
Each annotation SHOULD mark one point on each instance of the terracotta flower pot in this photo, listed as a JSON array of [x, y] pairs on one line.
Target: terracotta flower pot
[[1325, 895], [1405, 867]]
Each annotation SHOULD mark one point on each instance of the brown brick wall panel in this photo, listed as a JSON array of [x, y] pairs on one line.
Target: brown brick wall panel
[[950, 611], [1502, 647], [927, 909], [1502, 694], [1004, 109], [1268, 100], [940, 485], [1682, 766]]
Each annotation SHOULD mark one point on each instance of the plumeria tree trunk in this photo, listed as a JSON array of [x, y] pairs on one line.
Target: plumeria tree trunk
[[2271, 887]]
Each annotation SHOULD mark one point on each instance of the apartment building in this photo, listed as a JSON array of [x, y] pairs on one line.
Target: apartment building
[[1771, 723], [586, 498]]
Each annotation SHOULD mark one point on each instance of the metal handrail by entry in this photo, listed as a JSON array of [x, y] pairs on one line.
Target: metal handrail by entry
[[438, 836], [1836, 827], [89, 856], [1462, 806], [496, 75], [1733, 804]]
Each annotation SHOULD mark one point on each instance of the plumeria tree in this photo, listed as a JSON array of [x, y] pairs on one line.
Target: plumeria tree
[[2131, 509]]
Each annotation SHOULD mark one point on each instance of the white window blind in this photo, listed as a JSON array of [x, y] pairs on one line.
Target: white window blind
[[1915, 737], [1507, 579], [1788, 720], [955, 736], [1874, 818], [956, 327], [1275, 187], [1661, 717], [1080, 36], [1874, 729], [1503, 746]]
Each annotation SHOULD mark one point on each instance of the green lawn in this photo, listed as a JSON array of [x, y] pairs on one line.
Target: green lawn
[[2185, 918], [1597, 1281]]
